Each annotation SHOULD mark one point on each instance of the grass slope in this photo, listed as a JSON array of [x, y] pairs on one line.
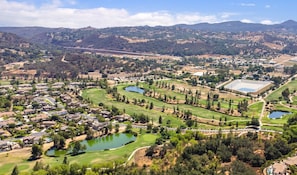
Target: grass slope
[[278, 93]]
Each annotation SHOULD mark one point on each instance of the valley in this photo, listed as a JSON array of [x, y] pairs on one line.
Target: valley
[[185, 95]]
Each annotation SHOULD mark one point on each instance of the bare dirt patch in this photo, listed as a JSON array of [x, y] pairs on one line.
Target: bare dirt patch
[[274, 46], [283, 59], [94, 75], [15, 156], [140, 159], [15, 65], [78, 138]]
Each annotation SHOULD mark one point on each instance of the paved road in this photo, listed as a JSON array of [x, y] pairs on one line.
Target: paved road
[[206, 131], [262, 112], [113, 51]]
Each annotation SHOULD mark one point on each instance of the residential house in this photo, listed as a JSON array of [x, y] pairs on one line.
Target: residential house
[[5, 145], [6, 123], [58, 85], [40, 117], [123, 117], [7, 87], [65, 98], [59, 113], [99, 126], [73, 117], [106, 114], [29, 111], [48, 124], [29, 140], [41, 86]]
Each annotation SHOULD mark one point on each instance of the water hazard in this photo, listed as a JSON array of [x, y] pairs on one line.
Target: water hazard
[[277, 114], [134, 89], [98, 144]]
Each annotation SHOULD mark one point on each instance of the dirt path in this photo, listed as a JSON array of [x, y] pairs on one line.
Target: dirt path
[[63, 59], [139, 157], [142, 148]]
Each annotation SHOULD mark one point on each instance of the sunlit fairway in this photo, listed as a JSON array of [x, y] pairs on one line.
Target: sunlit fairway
[[294, 100], [255, 109], [224, 97], [196, 111], [99, 96], [278, 93]]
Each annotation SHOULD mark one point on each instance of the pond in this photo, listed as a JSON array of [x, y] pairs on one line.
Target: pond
[[98, 144], [134, 89], [277, 114]]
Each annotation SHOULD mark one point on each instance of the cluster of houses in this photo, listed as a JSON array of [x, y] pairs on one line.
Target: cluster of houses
[[8, 145], [42, 103]]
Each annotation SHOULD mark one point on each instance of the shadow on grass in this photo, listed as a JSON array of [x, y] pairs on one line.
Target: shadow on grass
[[33, 158], [79, 153]]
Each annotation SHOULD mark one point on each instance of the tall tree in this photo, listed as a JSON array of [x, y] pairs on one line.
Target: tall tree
[[286, 94], [15, 170], [77, 148], [117, 128], [151, 105], [36, 151], [160, 120], [128, 128]]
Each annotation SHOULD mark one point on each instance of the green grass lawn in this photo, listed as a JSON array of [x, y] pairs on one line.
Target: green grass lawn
[[120, 154], [22, 163], [294, 100], [163, 91], [279, 121], [278, 93], [99, 95], [18, 108], [198, 111], [181, 97], [7, 168], [4, 82], [254, 110], [284, 108]]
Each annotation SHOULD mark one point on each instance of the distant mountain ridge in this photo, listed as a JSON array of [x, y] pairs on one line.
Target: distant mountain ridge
[[27, 32], [237, 26], [257, 40], [230, 26]]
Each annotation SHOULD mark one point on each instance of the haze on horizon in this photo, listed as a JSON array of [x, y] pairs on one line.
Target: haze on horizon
[[116, 13]]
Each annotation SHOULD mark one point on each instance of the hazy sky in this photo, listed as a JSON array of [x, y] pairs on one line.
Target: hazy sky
[[111, 13]]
